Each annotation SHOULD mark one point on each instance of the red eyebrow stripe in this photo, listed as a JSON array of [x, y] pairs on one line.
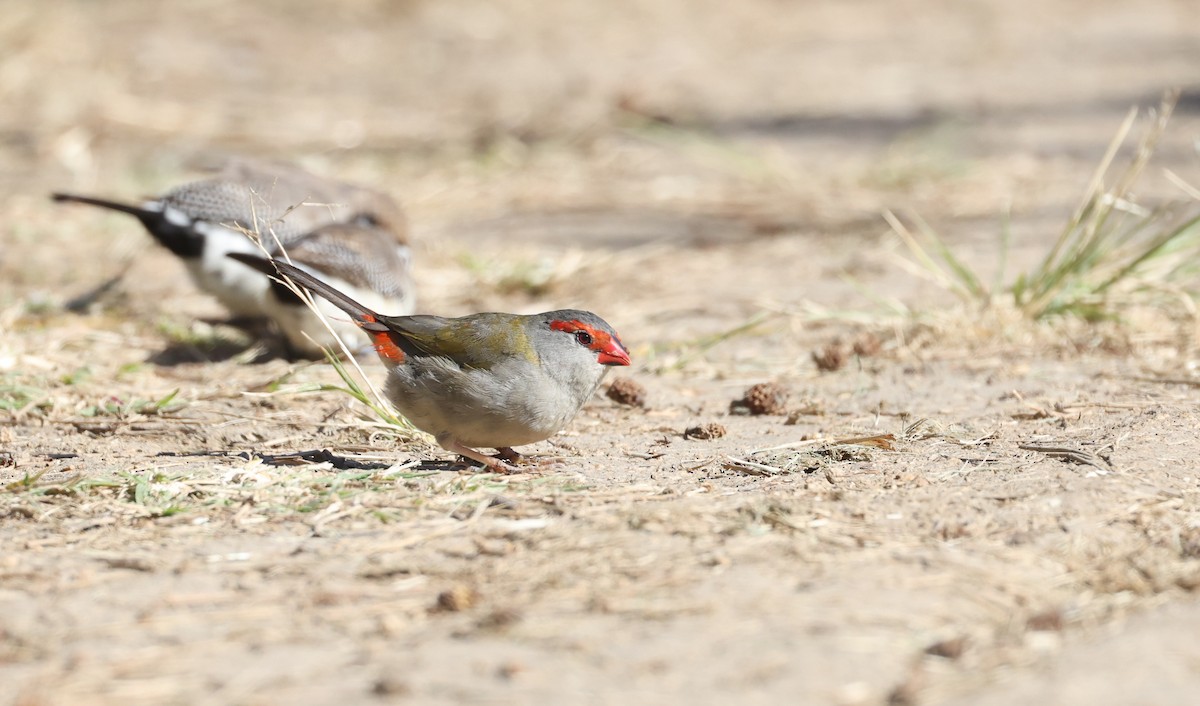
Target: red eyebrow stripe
[[601, 340], [568, 326]]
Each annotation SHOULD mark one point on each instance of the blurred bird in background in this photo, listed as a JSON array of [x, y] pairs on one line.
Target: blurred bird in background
[[352, 236]]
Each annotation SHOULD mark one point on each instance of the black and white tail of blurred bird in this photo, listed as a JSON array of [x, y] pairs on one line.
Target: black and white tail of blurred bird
[[354, 237]]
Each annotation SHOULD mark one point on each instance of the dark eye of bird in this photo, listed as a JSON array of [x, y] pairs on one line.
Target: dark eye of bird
[[584, 338]]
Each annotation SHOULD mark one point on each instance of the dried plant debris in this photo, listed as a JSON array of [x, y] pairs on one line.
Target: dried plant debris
[[626, 391], [807, 408], [705, 432], [763, 398], [835, 354], [951, 648], [810, 456], [867, 345], [1098, 460], [832, 357], [457, 599], [1049, 620]]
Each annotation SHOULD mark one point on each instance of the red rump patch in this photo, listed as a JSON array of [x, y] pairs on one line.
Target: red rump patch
[[385, 346]]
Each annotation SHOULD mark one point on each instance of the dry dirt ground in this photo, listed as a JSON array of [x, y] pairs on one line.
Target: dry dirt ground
[[707, 175]]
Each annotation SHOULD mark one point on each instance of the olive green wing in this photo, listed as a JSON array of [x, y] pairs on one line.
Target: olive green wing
[[478, 341]]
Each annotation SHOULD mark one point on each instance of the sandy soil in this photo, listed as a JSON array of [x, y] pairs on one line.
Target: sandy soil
[[1021, 523]]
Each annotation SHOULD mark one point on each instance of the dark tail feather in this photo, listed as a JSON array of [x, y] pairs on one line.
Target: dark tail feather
[[182, 240], [364, 317], [140, 213]]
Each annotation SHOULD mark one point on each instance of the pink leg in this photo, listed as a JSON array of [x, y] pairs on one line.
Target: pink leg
[[495, 464], [507, 454]]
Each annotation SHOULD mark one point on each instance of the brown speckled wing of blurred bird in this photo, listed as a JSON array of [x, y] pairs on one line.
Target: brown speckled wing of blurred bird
[[364, 256], [352, 233], [364, 261], [281, 201]]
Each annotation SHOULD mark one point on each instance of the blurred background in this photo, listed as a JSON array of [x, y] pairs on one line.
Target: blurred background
[[519, 128], [710, 177]]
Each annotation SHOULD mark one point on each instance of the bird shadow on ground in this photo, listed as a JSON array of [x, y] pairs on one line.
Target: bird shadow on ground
[[253, 344], [185, 353], [318, 456], [295, 458]]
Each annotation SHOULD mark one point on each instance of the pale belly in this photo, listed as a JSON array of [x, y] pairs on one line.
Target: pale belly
[[506, 415], [239, 288]]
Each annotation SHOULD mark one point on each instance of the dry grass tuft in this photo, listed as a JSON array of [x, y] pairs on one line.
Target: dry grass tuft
[[1110, 255]]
